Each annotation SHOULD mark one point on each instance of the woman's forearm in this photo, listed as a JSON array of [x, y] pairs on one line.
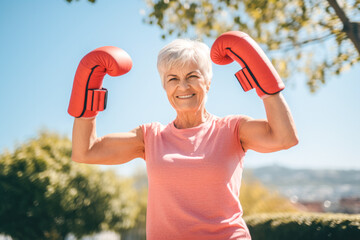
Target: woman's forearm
[[83, 137], [280, 120]]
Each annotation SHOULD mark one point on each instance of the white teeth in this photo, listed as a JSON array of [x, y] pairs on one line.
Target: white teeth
[[186, 96]]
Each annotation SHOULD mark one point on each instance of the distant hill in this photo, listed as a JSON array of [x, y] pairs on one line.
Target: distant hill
[[309, 184]]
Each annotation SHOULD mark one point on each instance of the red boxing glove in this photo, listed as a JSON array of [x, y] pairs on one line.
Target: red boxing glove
[[87, 96], [257, 71]]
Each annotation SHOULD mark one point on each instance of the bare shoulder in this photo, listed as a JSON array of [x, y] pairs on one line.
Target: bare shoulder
[[252, 132], [245, 119], [138, 134], [249, 126], [244, 122], [132, 141]]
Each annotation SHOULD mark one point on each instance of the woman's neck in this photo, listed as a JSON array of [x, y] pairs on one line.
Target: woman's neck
[[190, 119]]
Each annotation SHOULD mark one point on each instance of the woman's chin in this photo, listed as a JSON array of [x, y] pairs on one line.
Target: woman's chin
[[187, 109]]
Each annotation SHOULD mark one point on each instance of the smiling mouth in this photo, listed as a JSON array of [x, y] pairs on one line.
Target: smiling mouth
[[186, 96]]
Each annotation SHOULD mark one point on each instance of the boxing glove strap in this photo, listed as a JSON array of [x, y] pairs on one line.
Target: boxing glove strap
[[245, 77], [96, 99]]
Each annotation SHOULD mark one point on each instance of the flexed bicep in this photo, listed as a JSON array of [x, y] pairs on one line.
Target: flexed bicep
[[255, 134], [115, 148]]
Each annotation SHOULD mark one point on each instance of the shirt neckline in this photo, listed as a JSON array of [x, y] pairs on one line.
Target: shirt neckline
[[201, 125]]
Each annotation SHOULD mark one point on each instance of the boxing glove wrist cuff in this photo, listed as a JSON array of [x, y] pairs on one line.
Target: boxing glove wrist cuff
[[96, 99], [245, 79]]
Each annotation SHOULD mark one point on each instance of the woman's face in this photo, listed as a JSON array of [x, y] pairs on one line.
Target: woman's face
[[186, 88]]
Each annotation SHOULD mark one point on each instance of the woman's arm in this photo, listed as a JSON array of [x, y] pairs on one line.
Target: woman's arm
[[276, 133], [111, 149]]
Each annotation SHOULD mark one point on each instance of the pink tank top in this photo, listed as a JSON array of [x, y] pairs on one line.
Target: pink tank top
[[194, 178]]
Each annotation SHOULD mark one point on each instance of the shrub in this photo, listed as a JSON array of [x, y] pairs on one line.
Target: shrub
[[44, 195], [296, 226]]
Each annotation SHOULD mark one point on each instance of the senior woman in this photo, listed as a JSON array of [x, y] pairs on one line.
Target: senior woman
[[194, 163]]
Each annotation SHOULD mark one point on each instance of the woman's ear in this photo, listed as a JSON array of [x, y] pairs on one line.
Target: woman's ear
[[208, 86]]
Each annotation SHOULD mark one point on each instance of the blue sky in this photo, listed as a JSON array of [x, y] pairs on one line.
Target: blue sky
[[43, 41]]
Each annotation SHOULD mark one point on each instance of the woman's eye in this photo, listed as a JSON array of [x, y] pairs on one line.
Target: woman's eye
[[171, 79], [194, 76]]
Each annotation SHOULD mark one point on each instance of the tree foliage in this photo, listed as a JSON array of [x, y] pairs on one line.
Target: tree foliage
[[44, 195], [302, 38], [255, 198], [141, 186]]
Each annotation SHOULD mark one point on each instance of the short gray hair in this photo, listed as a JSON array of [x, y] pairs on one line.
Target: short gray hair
[[182, 51]]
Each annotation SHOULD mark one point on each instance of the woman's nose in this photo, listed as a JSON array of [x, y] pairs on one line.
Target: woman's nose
[[183, 84]]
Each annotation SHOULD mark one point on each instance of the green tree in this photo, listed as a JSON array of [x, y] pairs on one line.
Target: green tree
[[311, 38], [139, 230], [44, 195]]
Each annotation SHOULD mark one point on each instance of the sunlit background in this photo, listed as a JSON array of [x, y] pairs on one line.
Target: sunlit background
[[42, 42]]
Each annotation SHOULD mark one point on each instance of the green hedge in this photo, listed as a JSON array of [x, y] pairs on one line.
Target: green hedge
[[304, 226]]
